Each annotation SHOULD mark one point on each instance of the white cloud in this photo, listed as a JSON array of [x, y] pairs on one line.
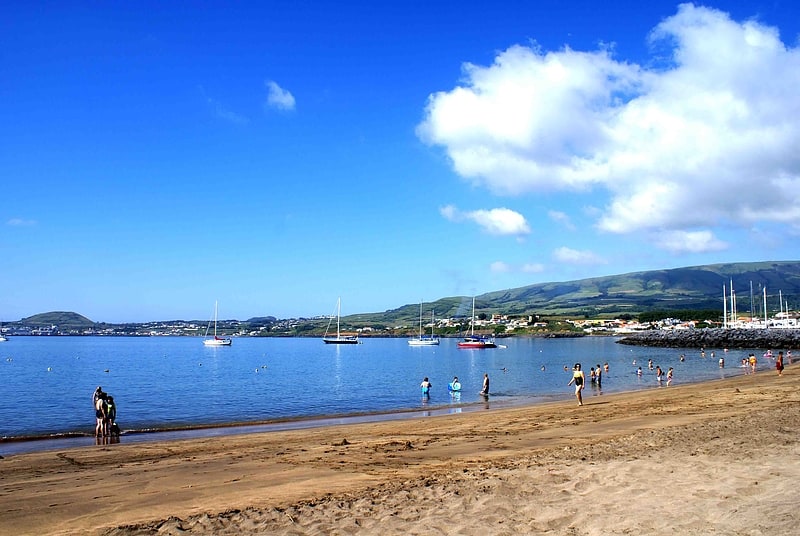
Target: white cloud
[[19, 222], [222, 111], [708, 138], [533, 268], [572, 256], [690, 242], [497, 221], [278, 97], [500, 267], [562, 219]]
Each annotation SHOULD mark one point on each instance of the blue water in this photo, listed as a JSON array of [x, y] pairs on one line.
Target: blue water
[[172, 382]]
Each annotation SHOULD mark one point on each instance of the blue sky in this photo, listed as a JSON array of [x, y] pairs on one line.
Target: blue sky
[[276, 155]]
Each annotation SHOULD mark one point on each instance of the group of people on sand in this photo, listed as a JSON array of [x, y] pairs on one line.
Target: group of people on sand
[[105, 413], [454, 386]]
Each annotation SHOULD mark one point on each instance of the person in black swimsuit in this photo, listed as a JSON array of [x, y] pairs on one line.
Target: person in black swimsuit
[[101, 414], [579, 379]]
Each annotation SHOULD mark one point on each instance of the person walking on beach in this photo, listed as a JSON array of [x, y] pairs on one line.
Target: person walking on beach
[[753, 362], [485, 388], [579, 379], [779, 363]]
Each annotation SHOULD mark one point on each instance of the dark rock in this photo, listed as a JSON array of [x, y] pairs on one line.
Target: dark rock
[[716, 338]]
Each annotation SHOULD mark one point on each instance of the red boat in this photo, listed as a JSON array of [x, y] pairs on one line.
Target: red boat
[[477, 342]]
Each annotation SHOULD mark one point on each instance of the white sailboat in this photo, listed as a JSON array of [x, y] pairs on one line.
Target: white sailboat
[[424, 340], [339, 339], [476, 341], [216, 341]]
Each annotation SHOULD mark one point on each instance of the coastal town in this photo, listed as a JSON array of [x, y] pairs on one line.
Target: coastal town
[[496, 324]]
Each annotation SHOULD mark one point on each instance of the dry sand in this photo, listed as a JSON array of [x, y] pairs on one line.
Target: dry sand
[[716, 458]]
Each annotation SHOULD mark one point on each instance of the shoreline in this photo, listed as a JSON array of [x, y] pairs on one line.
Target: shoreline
[[29, 444], [12, 445], [728, 450]]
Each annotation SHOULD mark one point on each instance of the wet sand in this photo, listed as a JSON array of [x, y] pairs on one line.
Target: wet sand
[[719, 457]]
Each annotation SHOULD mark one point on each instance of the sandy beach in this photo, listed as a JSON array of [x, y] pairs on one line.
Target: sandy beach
[[720, 457]]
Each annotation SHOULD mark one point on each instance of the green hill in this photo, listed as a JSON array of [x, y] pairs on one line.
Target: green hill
[[696, 287], [62, 319], [692, 288]]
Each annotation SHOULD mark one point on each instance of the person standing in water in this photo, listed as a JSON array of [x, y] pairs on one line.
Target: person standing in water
[[426, 387], [100, 414], [485, 388], [579, 379]]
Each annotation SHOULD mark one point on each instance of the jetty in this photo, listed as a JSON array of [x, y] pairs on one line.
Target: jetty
[[780, 338]]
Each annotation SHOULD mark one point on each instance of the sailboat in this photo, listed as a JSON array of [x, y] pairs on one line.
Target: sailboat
[[426, 340], [476, 341], [216, 341], [339, 339]]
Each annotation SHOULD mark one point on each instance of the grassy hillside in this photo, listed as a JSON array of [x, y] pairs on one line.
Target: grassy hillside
[[62, 319], [696, 287]]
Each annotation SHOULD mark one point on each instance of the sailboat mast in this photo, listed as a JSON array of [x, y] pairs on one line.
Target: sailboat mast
[[338, 310], [472, 320], [420, 319]]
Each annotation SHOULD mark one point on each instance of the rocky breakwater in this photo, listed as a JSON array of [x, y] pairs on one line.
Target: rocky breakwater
[[783, 339]]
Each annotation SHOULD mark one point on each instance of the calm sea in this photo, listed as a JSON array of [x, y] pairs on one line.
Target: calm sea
[[165, 383]]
